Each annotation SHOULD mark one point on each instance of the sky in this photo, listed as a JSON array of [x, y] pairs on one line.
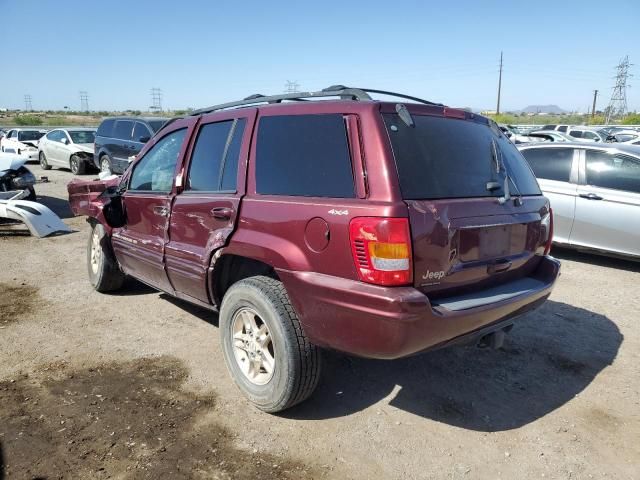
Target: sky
[[203, 52]]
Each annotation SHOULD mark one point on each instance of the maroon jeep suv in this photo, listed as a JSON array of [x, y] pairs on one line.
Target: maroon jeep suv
[[327, 220]]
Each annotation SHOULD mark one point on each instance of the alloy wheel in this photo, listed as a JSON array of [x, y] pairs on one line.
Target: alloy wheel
[[252, 346]]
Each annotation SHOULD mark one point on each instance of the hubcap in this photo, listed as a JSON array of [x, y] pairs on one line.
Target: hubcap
[[252, 346], [74, 165], [43, 161], [104, 165], [96, 251]]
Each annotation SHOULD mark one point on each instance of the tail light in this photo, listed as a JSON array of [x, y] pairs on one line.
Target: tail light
[[381, 250], [547, 224]]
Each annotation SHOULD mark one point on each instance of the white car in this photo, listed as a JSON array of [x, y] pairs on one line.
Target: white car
[[23, 141], [594, 190], [70, 148]]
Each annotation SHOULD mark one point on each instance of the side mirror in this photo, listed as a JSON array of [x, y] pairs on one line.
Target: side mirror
[[144, 139], [65, 141]]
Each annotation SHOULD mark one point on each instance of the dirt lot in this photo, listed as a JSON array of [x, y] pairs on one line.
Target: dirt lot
[[134, 386]]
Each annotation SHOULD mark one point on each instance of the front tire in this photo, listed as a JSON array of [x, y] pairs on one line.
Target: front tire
[[104, 273], [265, 348], [77, 165], [43, 162], [105, 164]]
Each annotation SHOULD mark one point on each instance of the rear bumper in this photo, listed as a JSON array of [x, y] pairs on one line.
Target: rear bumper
[[380, 322]]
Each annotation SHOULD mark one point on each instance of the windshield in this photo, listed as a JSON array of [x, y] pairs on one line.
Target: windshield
[[156, 124], [449, 158], [82, 136], [29, 135]]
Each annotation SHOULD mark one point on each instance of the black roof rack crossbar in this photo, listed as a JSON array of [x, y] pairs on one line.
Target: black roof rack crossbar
[[345, 93]]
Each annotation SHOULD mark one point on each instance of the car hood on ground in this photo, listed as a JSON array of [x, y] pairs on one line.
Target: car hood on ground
[[11, 161]]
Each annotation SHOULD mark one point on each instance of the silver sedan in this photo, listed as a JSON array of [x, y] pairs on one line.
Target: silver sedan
[[594, 190]]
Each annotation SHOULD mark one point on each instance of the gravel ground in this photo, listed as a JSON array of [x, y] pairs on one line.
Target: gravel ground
[[133, 385]]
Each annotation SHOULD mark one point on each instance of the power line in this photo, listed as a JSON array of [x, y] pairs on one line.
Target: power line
[[156, 99], [27, 103], [84, 101], [291, 87], [618, 104], [499, 86]]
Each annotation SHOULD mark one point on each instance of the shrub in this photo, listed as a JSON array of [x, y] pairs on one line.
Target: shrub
[[28, 120]]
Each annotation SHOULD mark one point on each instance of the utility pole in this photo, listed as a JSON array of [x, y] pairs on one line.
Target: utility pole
[[27, 103], [618, 103], [593, 109], [84, 101], [156, 98], [291, 87], [499, 86]]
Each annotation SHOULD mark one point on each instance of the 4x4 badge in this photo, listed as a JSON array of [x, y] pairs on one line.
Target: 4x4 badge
[[333, 211]]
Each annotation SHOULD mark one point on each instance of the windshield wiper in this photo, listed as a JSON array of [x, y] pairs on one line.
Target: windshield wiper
[[500, 166]]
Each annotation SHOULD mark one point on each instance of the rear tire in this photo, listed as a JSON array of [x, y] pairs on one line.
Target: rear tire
[[32, 194], [43, 162], [265, 348], [104, 273], [77, 165], [105, 164]]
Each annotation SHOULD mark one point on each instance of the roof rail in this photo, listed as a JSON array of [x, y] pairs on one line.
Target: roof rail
[[345, 93]]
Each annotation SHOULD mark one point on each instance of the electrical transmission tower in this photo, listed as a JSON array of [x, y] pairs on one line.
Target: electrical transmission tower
[[27, 103], [618, 104], [84, 101], [156, 99], [291, 87]]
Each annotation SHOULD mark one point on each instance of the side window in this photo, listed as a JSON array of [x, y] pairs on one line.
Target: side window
[[590, 135], [106, 128], [206, 160], [154, 172], [214, 162], [550, 163], [619, 172], [576, 133], [141, 133], [52, 135], [13, 134], [304, 155], [123, 129], [562, 128]]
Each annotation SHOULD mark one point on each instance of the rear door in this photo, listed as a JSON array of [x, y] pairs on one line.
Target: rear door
[[468, 231], [608, 203], [557, 172], [139, 245], [205, 212]]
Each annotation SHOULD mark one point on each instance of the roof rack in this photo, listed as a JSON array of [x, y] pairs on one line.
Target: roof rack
[[345, 93]]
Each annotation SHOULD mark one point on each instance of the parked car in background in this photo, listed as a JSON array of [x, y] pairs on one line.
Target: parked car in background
[[550, 136], [585, 134], [559, 128], [15, 176], [70, 148], [625, 136], [594, 192], [273, 213], [23, 141], [121, 138]]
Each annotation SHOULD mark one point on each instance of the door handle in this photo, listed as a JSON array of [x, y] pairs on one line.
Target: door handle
[[223, 213], [161, 210], [590, 196]]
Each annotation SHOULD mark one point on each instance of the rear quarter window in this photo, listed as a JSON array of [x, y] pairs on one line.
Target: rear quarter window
[[106, 128], [123, 129], [304, 155]]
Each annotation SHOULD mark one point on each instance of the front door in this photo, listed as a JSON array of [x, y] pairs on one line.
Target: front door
[[139, 245], [205, 212], [608, 203]]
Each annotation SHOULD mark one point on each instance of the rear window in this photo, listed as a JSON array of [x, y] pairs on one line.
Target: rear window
[[304, 155], [106, 128], [450, 158], [29, 135], [550, 163]]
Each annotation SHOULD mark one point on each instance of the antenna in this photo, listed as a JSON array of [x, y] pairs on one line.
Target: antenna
[[84, 101], [156, 98], [618, 104], [291, 87], [499, 86]]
